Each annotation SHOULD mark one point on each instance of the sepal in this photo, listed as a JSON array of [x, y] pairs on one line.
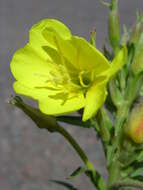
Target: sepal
[[40, 119]]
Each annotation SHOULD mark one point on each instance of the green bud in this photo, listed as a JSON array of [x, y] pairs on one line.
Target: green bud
[[137, 65], [115, 94], [105, 124], [125, 36], [133, 88], [137, 30], [134, 125], [113, 26], [40, 119]]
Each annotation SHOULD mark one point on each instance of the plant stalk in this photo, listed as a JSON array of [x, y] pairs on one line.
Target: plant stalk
[[94, 176], [128, 183]]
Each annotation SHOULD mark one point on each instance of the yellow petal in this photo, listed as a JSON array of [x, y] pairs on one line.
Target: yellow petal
[[64, 47], [88, 57], [37, 40], [49, 105], [27, 66], [118, 62], [35, 93], [95, 97]]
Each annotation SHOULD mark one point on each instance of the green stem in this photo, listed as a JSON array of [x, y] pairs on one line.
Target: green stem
[[114, 173], [131, 93], [78, 149], [113, 26], [129, 183], [114, 167], [92, 174]]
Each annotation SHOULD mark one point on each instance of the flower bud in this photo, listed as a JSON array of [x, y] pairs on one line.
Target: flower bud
[[137, 30], [134, 126], [40, 119], [113, 26], [137, 65]]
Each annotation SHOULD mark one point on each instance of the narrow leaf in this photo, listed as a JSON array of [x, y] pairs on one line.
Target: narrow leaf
[[77, 172], [74, 120], [64, 184], [137, 172]]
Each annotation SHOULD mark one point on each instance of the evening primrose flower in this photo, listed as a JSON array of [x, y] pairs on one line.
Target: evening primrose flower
[[63, 72]]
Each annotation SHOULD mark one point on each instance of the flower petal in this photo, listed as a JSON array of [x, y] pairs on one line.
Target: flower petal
[[95, 97], [37, 39], [118, 62], [32, 92], [27, 66], [78, 52], [88, 57], [49, 105], [64, 47]]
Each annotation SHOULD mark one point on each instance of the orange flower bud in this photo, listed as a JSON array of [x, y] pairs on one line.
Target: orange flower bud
[[134, 126]]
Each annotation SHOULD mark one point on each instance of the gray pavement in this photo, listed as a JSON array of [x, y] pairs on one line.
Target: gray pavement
[[29, 157]]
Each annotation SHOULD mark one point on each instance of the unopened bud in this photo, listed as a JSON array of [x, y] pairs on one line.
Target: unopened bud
[[113, 27], [134, 126], [125, 36], [40, 119], [137, 65], [137, 30]]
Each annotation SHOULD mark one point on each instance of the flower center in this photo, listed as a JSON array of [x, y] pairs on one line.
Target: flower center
[[85, 78]]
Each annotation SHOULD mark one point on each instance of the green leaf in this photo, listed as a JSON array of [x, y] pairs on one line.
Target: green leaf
[[64, 184], [74, 120], [96, 179], [140, 157], [137, 172], [109, 155], [77, 172], [139, 178], [107, 54], [118, 62]]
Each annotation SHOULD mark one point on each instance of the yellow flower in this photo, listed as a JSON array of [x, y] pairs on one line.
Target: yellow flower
[[63, 72]]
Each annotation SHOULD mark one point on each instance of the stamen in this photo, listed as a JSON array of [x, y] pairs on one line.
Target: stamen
[[82, 81]]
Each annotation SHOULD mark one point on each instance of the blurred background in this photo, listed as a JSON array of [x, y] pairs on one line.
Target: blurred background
[[29, 157]]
